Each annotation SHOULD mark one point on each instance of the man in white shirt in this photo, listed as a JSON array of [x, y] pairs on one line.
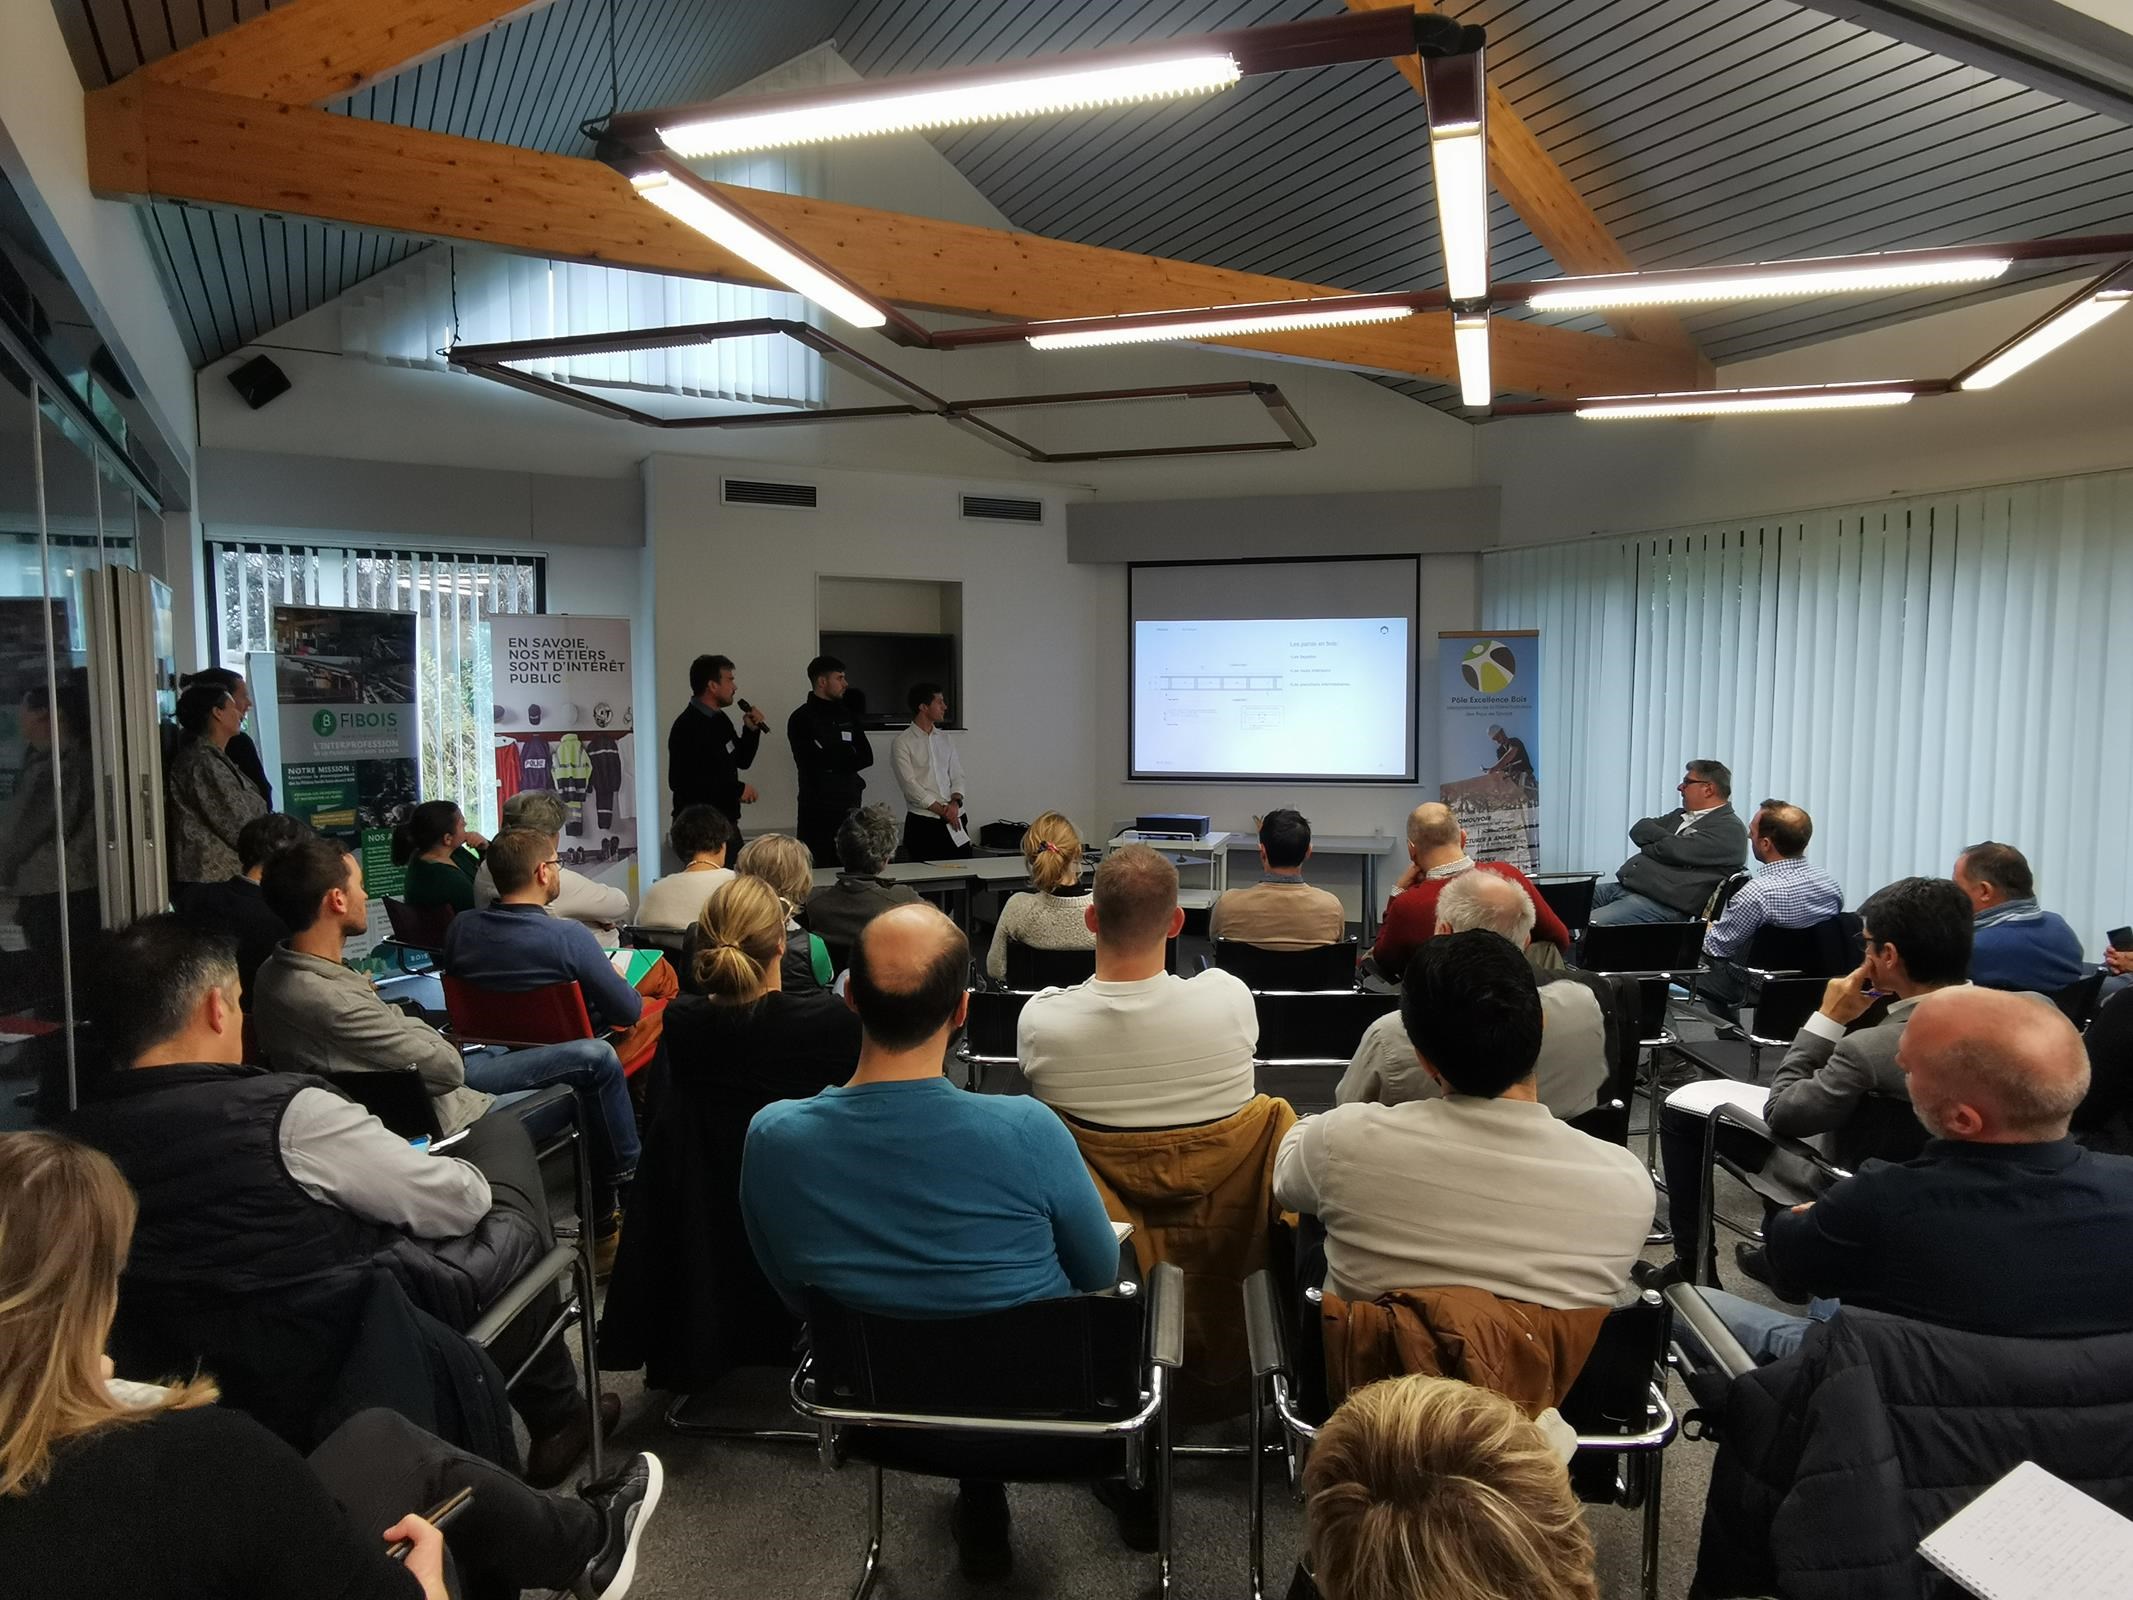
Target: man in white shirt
[[1136, 1046], [930, 773], [601, 907], [1573, 1064], [1482, 1188]]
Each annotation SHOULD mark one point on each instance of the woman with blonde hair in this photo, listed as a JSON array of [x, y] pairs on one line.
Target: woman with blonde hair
[[1052, 914], [687, 1300], [788, 866], [143, 1490], [1431, 1489]]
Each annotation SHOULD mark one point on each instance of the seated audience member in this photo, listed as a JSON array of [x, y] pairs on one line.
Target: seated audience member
[[1423, 1488], [1052, 913], [2004, 1225], [835, 913], [601, 907], [1917, 941], [1481, 1188], [1572, 1067], [2019, 945], [1136, 1046], [236, 907], [314, 1013], [1436, 850], [261, 1190], [788, 867], [1280, 911], [700, 836], [1787, 893], [114, 1486], [1681, 856], [441, 856], [900, 1194], [688, 1300]]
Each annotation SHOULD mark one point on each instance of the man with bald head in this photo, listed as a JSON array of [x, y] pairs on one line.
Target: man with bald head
[[899, 1193], [2003, 1225], [1436, 853], [1786, 892]]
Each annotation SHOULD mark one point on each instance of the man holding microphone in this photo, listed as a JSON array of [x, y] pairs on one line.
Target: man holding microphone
[[705, 756]]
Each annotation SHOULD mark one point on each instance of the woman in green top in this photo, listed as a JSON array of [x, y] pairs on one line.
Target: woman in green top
[[440, 855]]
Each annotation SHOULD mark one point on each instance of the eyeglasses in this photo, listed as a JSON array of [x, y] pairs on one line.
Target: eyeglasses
[[553, 861]]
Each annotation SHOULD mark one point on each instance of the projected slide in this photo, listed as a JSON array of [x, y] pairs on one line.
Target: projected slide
[[1321, 697]]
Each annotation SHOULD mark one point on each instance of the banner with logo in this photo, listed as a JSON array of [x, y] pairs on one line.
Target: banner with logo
[[348, 739], [564, 722], [1488, 742]]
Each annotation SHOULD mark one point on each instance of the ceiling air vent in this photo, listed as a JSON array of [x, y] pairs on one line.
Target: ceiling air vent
[[757, 492], [998, 508]]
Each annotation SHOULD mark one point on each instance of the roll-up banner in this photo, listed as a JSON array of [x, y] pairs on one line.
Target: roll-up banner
[[564, 722], [345, 733], [1488, 735]]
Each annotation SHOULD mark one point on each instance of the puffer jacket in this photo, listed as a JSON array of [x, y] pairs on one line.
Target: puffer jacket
[[1202, 1198], [1838, 1459]]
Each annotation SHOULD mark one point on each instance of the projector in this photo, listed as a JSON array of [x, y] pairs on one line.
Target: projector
[[1171, 825]]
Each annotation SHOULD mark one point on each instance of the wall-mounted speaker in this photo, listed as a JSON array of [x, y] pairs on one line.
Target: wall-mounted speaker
[[259, 381]]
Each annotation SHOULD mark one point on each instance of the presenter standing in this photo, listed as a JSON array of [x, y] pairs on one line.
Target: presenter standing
[[931, 776], [705, 756], [829, 751]]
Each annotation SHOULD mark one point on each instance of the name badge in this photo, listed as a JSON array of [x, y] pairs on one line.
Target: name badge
[[729, 747], [847, 736]]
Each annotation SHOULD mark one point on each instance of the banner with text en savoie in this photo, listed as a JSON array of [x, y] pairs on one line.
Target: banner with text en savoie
[[1488, 735]]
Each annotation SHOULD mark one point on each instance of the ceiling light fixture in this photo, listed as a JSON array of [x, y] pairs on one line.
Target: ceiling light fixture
[[1764, 280], [1736, 402], [688, 199], [2064, 322], [1210, 322], [1470, 343], [1459, 166]]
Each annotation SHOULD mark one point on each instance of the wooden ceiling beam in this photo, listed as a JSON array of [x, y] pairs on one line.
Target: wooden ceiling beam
[[150, 140], [306, 51], [1550, 206]]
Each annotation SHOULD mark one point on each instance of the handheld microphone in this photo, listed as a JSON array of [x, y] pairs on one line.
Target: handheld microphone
[[746, 708]]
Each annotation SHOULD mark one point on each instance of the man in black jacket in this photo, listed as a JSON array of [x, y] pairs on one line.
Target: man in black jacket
[[1681, 856], [829, 751], [705, 757]]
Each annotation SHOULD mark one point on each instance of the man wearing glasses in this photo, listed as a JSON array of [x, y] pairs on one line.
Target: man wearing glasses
[[1681, 856]]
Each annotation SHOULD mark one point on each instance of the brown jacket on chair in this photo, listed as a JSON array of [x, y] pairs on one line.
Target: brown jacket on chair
[[1200, 1197], [1529, 1354]]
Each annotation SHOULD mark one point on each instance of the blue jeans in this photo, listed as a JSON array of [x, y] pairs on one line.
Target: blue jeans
[[1613, 905], [589, 1066], [1766, 1334]]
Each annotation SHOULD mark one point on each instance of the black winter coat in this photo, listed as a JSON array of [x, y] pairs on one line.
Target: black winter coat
[[1837, 1460]]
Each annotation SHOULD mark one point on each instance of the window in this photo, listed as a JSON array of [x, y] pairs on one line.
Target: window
[[454, 595]]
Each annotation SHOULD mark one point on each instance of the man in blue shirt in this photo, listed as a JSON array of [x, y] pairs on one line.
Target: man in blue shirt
[[1786, 893], [515, 945], [2019, 944], [899, 1193]]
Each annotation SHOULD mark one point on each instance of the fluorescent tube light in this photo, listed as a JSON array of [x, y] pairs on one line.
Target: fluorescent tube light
[[2046, 337], [1033, 92], [726, 227], [1775, 280], [1459, 161], [1470, 342], [1731, 402], [1213, 322]]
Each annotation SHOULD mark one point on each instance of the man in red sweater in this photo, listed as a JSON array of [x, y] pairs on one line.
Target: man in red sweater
[[1436, 849]]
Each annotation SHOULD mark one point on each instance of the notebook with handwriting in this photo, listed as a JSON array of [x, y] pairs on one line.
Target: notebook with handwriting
[[2032, 1536]]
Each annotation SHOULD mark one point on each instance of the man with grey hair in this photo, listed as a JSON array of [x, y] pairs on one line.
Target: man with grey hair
[[2004, 1225], [1574, 1053], [1137, 1046], [1681, 856], [835, 913], [600, 906]]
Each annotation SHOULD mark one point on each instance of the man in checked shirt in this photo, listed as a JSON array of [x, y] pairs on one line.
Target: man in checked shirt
[[1786, 893]]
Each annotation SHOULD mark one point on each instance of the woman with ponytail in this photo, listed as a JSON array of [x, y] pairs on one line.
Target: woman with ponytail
[[1052, 913], [440, 855], [687, 1300]]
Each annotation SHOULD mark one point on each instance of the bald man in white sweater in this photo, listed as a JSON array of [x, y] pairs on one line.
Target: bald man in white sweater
[[1483, 1188]]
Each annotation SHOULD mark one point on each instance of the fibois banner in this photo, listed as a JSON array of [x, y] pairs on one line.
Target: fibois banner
[[563, 722], [1489, 727]]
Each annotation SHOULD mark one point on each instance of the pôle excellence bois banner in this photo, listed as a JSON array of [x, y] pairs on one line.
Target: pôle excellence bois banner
[[1488, 733]]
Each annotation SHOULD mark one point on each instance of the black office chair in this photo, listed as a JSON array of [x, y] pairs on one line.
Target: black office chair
[[417, 931], [2104, 1119], [1325, 967], [1618, 1406], [1316, 1028], [1030, 967], [1623, 1012], [1079, 1388], [989, 1031], [667, 941], [1659, 955], [2078, 999], [1569, 896], [397, 1097]]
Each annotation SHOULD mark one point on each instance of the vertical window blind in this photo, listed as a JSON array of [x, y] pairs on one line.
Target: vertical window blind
[[1920, 674], [451, 593]]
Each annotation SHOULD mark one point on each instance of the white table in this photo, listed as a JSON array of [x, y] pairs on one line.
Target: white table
[[1215, 847], [954, 879]]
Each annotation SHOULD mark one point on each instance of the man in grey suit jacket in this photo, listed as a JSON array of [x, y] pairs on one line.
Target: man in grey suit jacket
[[1917, 941], [1681, 857]]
